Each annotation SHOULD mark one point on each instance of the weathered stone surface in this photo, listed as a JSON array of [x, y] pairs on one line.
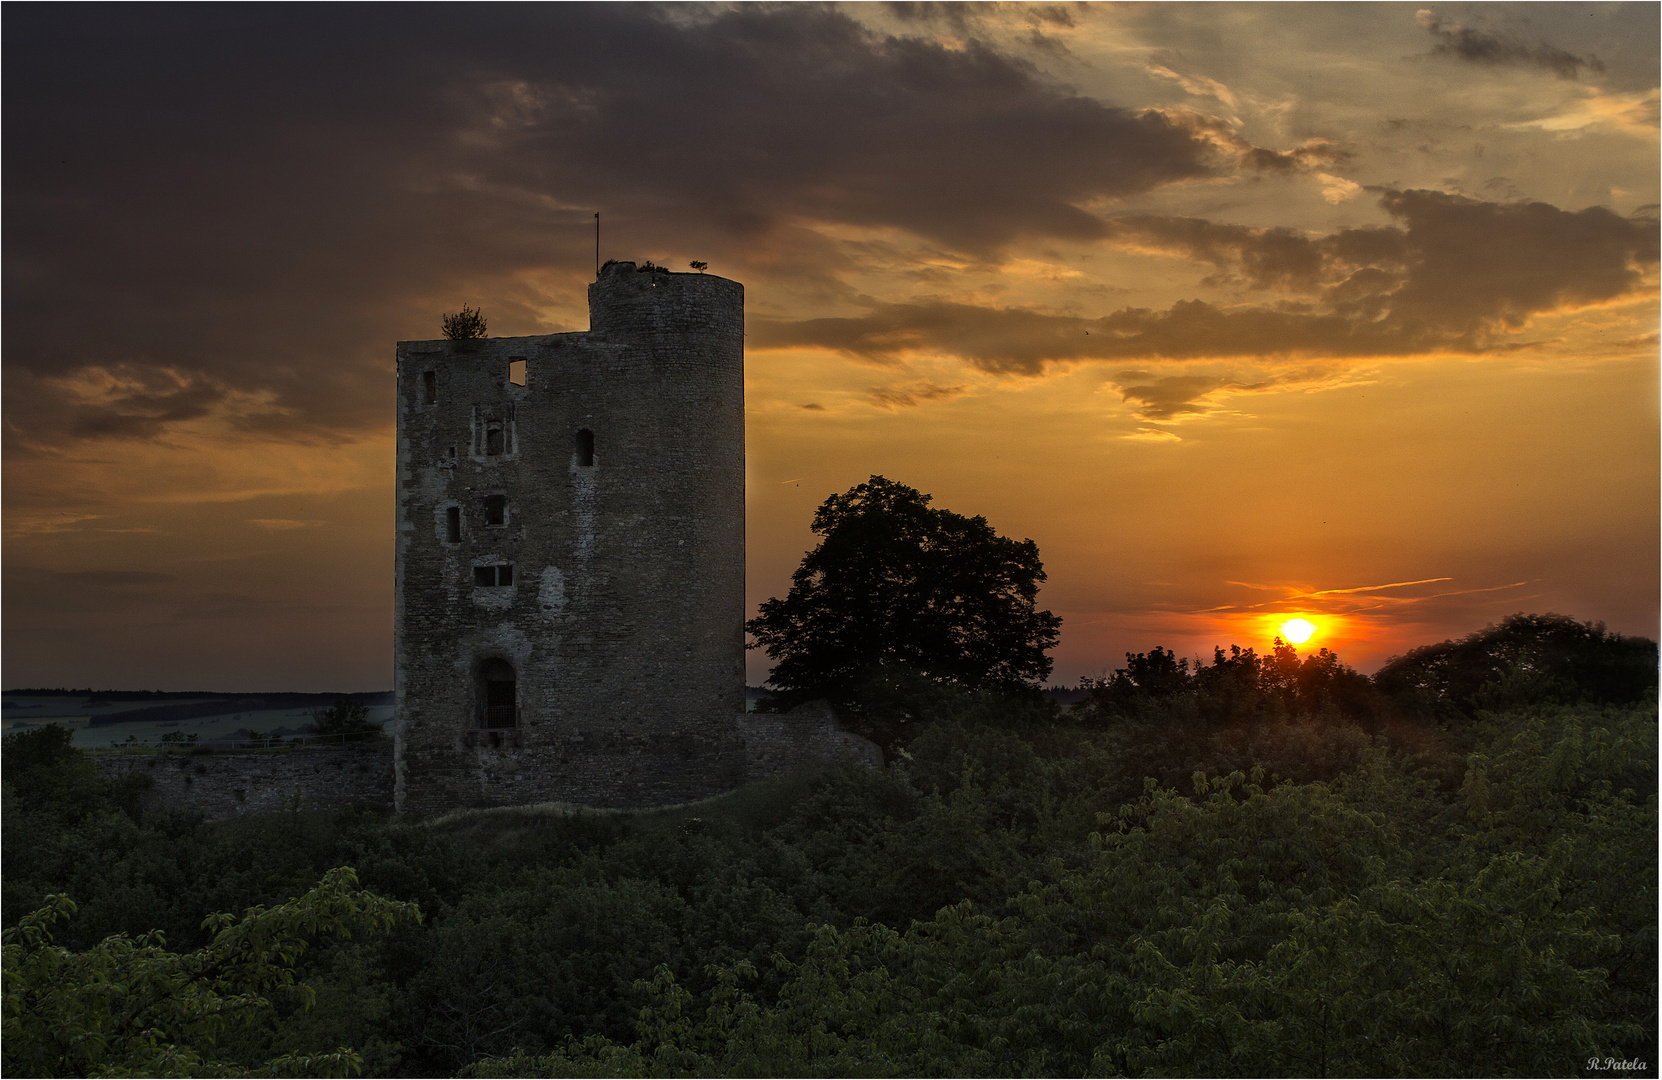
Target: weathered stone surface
[[612, 484], [227, 785], [807, 737]]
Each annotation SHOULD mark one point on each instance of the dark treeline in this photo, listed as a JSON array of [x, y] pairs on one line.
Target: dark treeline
[[1266, 865], [280, 700]]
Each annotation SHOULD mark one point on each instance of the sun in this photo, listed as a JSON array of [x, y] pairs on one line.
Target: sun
[[1298, 631]]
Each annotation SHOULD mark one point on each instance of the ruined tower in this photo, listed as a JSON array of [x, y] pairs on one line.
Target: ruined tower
[[569, 619]]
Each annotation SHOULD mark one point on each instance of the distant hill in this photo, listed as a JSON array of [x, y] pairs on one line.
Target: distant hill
[[189, 704]]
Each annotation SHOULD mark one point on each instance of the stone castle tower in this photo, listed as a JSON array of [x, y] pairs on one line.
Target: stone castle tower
[[569, 619]]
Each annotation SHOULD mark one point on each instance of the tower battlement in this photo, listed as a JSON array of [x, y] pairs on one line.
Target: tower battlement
[[569, 611]]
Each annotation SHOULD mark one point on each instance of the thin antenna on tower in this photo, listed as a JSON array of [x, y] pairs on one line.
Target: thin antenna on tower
[[597, 244]]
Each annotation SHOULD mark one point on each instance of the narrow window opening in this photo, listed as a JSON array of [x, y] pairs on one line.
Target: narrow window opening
[[452, 451], [504, 575], [493, 439], [430, 387], [453, 524], [498, 686], [496, 510], [585, 448], [516, 371]]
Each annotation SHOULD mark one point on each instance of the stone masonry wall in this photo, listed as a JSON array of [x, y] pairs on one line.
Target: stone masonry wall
[[807, 737], [571, 508], [227, 785]]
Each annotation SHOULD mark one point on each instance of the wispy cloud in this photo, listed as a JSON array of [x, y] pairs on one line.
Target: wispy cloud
[[284, 524], [1355, 599]]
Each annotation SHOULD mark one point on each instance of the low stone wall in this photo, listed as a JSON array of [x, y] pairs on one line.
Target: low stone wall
[[225, 785], [807, 737]]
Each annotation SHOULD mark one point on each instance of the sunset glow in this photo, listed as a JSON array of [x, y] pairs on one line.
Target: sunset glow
[[1244, 314]]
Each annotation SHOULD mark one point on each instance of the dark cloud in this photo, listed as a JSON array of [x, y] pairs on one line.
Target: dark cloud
[[1172, 396], [909, 395], [969, 16], [1498, 48], [1310, 154], [1018, 341], [143, 411], [1454, 274], [259, 203]]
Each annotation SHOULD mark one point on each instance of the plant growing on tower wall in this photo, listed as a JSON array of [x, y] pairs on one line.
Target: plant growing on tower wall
[[466, 323]]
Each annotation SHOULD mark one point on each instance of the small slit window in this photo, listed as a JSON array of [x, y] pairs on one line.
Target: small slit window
[[453, 524], [430, 387], [585, 448], [516, 370], [491, 577], [496, 510]]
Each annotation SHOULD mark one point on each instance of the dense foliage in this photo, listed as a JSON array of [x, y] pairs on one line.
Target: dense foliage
[[896, 583], [129, 1007], [1272, 869], [1526, 657]]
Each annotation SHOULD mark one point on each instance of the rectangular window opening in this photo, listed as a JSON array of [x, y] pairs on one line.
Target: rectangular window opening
[[453, 524], [430, 387], [493, 576], [493, 439], [585, 448], [516, 370], [496, 510]]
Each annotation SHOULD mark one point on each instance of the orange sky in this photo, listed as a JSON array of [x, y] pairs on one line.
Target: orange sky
[[1241, 312]]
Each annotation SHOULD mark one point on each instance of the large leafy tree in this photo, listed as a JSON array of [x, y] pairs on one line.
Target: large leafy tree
[[896, 583]]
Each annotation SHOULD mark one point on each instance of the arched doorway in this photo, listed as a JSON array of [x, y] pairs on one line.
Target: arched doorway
[[498, 694]]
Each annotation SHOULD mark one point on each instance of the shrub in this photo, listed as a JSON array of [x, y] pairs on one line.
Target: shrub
[[463, 325]]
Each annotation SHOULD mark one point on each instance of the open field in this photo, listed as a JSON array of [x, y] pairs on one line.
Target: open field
[[100, 721]]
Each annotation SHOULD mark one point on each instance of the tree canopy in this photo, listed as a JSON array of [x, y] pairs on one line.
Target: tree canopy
[[1527, 657], [896, 583], [130, 1007]]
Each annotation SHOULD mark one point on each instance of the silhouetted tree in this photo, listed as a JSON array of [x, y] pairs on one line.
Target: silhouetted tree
[[895, 583], [346, 718], [1156, 674], [466, 323], [1239, 687], [1526, 658]]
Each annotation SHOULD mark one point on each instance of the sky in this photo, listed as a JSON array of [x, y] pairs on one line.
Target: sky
[[1241, 312]]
